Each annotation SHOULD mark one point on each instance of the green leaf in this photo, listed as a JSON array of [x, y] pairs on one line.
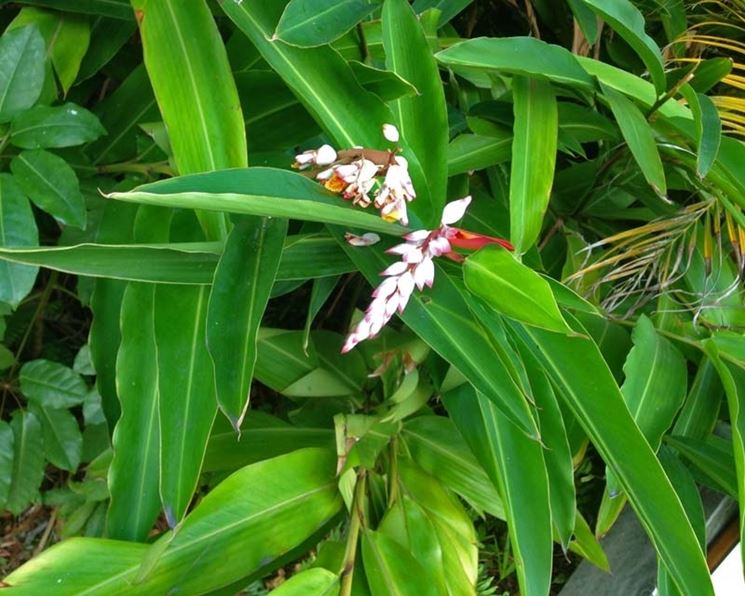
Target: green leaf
[[134, 470], [451, 522], [116, 225], [304, 257], [67, 37], [586, 20], [516, 467], [317, 581], [22, 60], [310, 23], [51, 384], [196, 93], [448, 8], [186, 392], [61, 126], [628, 22], [422, 119], [407, 523], [469, 152], [240, 292], [28, 461], [6, 461], [349, 114], [557, 454], [525, 56], [108, 36], [513, 289], [708, 131], [258, 191], [116, 9], [533, 158], [640, 138], [656, 381], [733, 380], [700, 410], [712, 456], [391, 569], [63, 443], [585, 383], [130, 104], [439, 449], [17, 228], [262, 436], [51, 184], [235, 531]]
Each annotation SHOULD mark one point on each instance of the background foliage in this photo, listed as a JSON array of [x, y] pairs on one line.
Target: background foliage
[[173, 298]]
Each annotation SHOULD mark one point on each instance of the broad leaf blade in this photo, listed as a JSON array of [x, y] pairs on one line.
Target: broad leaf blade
[[422, 118], [235, 531], [51, 184], [44, 127], [52, 384], [28, 461], [639, 135], [310, 23], [196, 93], [258, 191], [186, 392], [439, 449], [133, 473], [22, 66], [589, 390], [17, 228], [63, 443], [628, 22], [516, 467], [533, 158], [241, 288], [513, 289], [525, 56]]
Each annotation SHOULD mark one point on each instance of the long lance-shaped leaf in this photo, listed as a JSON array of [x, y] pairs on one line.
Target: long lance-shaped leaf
[[533, 158], [348, 113], [422, 118], [247, 522], [304, 256], [733, 379], [654, 389], [17, 228], [586, 384], [516, 467], [258, 191], [443, 319], [186, 392], [628, 22], [134, 471], [525, 56], [188, 67], [133, 474], [241, 288], [116, 226], [639, 136]]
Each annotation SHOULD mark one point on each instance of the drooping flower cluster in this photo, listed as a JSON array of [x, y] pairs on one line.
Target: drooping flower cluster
[[372, 176], [416, 268], [365, 176]]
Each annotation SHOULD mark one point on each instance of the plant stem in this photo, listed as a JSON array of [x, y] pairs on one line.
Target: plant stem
[[393, 473], [350, 553]]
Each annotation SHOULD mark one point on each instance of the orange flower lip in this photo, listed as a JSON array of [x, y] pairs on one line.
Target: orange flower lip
[[474, 241]]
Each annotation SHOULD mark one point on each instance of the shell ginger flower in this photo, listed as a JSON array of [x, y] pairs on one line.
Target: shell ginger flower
[[416, 269]]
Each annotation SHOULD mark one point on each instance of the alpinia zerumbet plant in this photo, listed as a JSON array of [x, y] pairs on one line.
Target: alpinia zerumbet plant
[[355, 173]]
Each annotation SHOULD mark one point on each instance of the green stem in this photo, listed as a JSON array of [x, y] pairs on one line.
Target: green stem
[[393, 473], [350, 552], [160, 167]]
